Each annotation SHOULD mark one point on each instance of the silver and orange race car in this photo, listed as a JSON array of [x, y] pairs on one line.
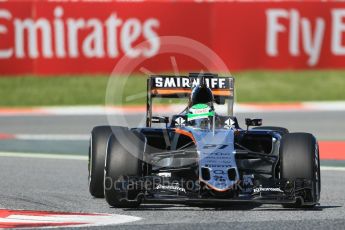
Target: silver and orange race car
[[202, 155]]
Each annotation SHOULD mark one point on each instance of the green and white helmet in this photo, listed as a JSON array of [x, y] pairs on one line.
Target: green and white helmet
[[199, 116]]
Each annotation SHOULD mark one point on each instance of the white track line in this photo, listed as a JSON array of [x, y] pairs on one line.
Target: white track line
[[44, 156], [78, 157], [90, 220], [332, 168], [52, 137]]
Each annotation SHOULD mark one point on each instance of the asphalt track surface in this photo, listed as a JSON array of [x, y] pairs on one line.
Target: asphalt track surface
[[61, 185]]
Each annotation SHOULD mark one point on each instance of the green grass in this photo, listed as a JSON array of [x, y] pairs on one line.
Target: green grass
[[251, 86], [41, 91], [290, 86]]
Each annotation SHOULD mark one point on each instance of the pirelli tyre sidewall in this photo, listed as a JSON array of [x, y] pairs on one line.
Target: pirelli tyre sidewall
[[299, 159], [122, 167], [97, 148]]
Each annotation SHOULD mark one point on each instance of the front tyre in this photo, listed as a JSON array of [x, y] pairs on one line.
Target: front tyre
[[98, 146], [123, 164], [299, 159]]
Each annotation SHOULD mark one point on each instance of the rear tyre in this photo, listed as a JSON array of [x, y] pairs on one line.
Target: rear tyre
[[281, 130], [97, 149], [123, 165], [299, 159]]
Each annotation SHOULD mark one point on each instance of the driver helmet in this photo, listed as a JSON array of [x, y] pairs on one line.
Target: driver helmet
[[201, 94], [200, 116]]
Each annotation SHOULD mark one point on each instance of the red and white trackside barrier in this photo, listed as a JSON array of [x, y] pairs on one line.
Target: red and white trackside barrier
[[76, 36]]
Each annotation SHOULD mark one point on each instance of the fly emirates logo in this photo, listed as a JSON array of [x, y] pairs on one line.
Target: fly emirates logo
[[65, 37], [305, 36]]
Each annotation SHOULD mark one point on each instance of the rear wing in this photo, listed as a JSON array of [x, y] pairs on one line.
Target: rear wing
[[169, 86]]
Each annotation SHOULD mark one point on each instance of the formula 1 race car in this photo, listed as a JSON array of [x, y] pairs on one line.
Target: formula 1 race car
[[201, 155]]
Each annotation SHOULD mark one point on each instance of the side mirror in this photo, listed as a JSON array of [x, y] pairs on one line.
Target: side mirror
[[253, 122], [160, 120]]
